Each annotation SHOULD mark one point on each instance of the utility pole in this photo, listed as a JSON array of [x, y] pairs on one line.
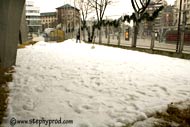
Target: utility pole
[[178, 31]]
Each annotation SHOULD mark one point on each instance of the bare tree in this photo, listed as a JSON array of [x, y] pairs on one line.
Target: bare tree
[[139, 8], [140, 13], [85, 10], [99, 6]]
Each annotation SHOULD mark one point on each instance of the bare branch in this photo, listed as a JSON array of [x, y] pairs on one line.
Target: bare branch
[[137, 4], [134, 7]]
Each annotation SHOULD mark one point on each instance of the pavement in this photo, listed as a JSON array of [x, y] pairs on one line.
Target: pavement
[[144, 43], [141, 43]]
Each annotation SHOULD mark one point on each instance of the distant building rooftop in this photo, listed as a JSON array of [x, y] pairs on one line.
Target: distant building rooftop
[[48, 14], [67, 6]]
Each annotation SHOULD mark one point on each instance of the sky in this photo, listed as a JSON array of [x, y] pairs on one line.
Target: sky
[[118, 8]]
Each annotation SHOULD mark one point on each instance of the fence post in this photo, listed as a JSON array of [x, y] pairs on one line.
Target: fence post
[[182, 33], [119, 36], [108, 35], [152, 37], [134, 36], [100, 35]]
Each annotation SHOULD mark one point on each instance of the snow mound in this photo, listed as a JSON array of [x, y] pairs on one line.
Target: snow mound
[[41, 43]]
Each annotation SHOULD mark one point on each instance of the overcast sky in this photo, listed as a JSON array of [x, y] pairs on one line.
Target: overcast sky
[[118, 8]]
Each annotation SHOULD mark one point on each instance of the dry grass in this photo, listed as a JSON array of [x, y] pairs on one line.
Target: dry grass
[[175, 114], [5, 76], [27, 43]]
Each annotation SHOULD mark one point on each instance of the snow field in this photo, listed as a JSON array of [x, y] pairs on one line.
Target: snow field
[[99, 87]]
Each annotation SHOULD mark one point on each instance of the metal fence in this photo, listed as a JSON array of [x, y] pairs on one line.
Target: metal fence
[[117, 36]]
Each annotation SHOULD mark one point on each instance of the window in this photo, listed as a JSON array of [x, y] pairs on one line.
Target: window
[[32, 11]]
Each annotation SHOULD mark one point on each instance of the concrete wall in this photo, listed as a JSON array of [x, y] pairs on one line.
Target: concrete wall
[[10, 12], [23, 27]]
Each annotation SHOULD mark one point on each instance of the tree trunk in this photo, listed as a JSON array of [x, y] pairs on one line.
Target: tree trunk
[[152, 41], [91, 36], [152, 37], [134, 38], [119, 36], [182, 41], [100, 35], [108, 35], [83, 32], [106, 32]]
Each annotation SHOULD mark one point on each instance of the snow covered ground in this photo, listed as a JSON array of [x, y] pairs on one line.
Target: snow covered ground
[[100, 87]]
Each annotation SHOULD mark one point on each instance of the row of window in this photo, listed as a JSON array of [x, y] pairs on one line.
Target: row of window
[[187, 0], [68, 11], [34, 22], [33, 17], [32, 11], [48, 16], [45, 20]]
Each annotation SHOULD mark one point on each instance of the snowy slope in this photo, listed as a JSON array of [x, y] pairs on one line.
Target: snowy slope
[[99, 87]]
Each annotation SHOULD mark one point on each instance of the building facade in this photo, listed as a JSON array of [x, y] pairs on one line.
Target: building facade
[[185, 12], [167, 17], [155, 26], [48, 20], [164, 21], [33, 17], [69, 17]]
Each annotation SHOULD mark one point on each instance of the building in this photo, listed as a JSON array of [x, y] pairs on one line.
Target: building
[[162, 23], [69, 17], [158, 22], [48, 20], [185, 12], [167, 19], [33, 17]]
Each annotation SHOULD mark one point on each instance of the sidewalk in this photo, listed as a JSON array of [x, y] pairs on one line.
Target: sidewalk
[[144, 43]]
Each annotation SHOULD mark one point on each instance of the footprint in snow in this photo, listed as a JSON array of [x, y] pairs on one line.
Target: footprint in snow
[[28, 68], [87, 107], [38, 89], [29, 105], [83, 125], [98, 83], [165, 90], [74, 107], [67, 90], [77, 109], [141, 92]]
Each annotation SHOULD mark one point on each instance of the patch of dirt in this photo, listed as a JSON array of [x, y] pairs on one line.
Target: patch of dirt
[[177, 113], [5, 76], [26, 43]]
